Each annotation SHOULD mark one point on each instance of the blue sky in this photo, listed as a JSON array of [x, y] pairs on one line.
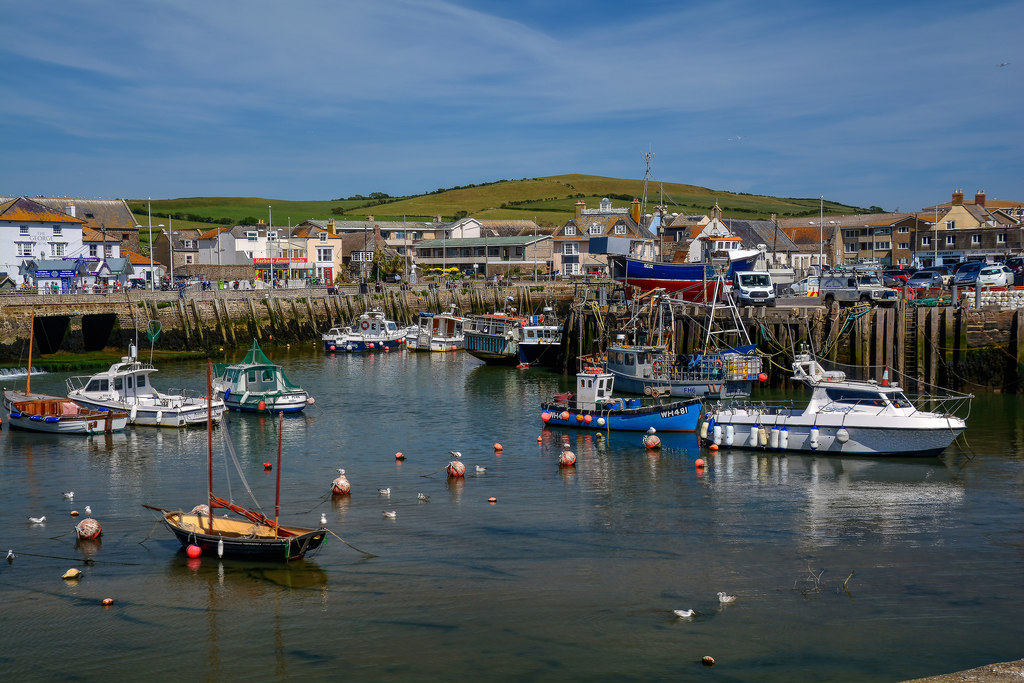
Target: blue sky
[[892, 104]]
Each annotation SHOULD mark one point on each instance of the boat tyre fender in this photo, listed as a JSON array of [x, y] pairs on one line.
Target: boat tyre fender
[[656, 393]]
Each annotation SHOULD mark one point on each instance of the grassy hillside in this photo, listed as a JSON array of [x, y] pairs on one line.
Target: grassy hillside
[[551, 201]]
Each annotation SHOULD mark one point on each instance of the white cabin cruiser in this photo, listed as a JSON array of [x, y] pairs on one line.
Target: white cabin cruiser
[[126, 387], [843, 416]]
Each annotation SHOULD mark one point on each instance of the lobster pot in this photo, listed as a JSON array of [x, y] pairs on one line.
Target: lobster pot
[[88, 529]]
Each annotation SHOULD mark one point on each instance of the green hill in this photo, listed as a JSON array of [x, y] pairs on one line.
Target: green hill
[[550, 200]]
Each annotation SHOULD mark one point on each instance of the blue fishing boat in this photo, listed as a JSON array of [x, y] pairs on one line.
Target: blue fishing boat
[[371, 332], [592, 406]]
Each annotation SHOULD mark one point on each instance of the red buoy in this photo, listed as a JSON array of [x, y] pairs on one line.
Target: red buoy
[[456, 469], [88, 529], [567, 459], [399, 455], [652, 441], [762, 377], [341, 486], [193, 550], [498, 447], [268, 466], [699, 462], [565, 415], [262, 405], [545, 416]]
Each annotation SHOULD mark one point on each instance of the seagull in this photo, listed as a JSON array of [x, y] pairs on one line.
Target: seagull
[[88, 510], [10, 555], [456, 454], [384, 492], [323, 519], [424, 497], [683, 613], [70, 495], [726, 599], [1003, 63], [480, 470], [38, 520], [341, 471], [390, 515]]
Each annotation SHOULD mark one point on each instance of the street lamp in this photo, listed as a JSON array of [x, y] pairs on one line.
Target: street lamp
[[149, 209], [821, 236], [270, 242], [170, 243]]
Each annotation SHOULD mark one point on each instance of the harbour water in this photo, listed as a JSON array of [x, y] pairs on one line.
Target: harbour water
[[571, 575]]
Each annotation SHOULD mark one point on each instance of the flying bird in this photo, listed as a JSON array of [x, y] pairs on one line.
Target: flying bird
[[70, 495], [1003, 63], [424, 497], [38, 520], [390, 514], [384, 492], [456, 454], [323, 519], [683, 613], [726, 599]]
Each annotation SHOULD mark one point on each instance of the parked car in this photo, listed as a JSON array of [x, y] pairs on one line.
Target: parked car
[[926, 278], [995, 276], [802, 287], [946, 271], [1016, 264], [966, 273], [899, 274]]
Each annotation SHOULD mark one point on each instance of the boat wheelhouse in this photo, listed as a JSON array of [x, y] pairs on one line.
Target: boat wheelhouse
[[436, 332], [257, 385], [370, 332]]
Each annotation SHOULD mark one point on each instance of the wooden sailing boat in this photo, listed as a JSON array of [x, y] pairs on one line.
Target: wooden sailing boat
[[54, 414], [253, 536]]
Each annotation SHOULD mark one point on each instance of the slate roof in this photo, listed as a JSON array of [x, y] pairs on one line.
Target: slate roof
[[511, 241], [112, 213], [32, 211]]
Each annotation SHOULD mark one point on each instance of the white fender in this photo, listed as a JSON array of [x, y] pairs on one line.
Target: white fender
[[752, 442], [703, 430], [842, 436], [133, 414], [730, 435], [762, 437], [159, 416], [815, 442], [718, 435], [774, 439], [784, 439]]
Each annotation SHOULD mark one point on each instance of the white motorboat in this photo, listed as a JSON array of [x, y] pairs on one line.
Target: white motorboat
[[843, 416], [370, 332], [127, 387], [436, 332]]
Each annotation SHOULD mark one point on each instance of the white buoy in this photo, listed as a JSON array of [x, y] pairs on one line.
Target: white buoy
[[842, 436], [784, 439], [730, 435], [718, 435], [752, 442], [600, 422], [814, 439], [774, 438], [220, 547]]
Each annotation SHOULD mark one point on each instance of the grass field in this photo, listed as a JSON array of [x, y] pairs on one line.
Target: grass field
[[550, 201]]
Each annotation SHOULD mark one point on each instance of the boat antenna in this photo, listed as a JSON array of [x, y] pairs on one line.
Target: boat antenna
[[647, 176]]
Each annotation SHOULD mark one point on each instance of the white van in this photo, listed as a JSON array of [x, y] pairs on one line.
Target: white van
[[753, 288]]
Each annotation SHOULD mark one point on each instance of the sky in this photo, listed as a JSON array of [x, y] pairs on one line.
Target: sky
[[893, 104]]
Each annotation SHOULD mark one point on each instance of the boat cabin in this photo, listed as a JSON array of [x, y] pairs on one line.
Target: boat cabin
[[129, 378], [593, 388]]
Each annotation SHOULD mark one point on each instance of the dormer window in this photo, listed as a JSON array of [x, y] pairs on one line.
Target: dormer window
[[570, 230], [596, 229], [24, 231], [620, 229], [57, 231], [323, 237], [251, 235]]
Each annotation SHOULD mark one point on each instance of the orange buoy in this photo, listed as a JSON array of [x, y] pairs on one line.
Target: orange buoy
[[567, 459], [498, 447], [545, 416], [399, 455], [262, 405], [652, 441], [88, 529], [540, 437], [456, 469], [492, 500], [74, 513], [193, 550], [341, 486], [713, 448], [699, 462], [107, 602], [268, 466], [565, 415], [708, 660]]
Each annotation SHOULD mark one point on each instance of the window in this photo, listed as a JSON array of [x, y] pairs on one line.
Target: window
[[620, 229], [950, 240], [570, 248], [108, 251], [883, 231], [975, 239], [188, 258], [904, 245], [903, 229], [57, 231], [883, 245], [93, 250], [323, 237], [251, 235], [187, 244], [57, 249], [850, 233], [851, 247], [271, 234], [24, 249], [24, 231], [596, 229], [324, 254], [572, 268], [926, 240], [570, 230], [950, 225], [1001, 238]]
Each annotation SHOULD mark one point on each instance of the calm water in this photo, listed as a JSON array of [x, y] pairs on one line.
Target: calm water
[[570, 576]]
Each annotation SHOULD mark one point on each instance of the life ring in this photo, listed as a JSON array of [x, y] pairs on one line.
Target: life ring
[[365, 325], [655, 393], [656, 367]]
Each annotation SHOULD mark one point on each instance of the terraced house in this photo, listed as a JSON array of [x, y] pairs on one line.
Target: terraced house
[[973, 231], [572, 248]]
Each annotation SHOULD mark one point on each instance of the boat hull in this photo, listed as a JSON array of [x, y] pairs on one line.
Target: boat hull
[[184, 415], [360, 345], [56, 415], [257, 548], [271, 404], [700, 388], [689, 281], [677, 416]]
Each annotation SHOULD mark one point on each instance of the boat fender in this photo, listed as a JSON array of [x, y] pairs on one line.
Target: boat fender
[[244, 397], [134, 412], [159, 416], [600, 422], [815, 442], [36, 418], [730, 435], [227, 394], [647, 390], [220, 547], [703, 430], [762, 437], [15, 415], [310, 401], [564, 415], [784, 439], [717, 435], [655, 393], [51, 419], [262, 405], [545, 416], [753, 437], [774, 438], [842, 436]]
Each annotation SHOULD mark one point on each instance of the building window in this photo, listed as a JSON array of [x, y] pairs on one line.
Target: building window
[[271, 234], [24, 231], [596, 229], [93, 250], [620, 229], [108, 251], [851, 247], [570, 248], [1001, 238], [881, 246], [572, 269], [883, 231], [950, 240], [188, 258], [903, 229], [926, 240], [850, 233], [24, 249], [187, 244], [975, 239], [324, 254], [904, 245], [57, 249], [57, 231], [251, 235], [570, 230], [950, 225], [323, 237]]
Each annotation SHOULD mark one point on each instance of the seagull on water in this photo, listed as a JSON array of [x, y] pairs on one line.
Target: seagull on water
[[323, 519], [88, 510], [424, 497], [480, 470], [683, 613], [456, 454], [341, 471], [726, 599], [37, 520], [69, 495], [384, 492], [10, 555], [390, 514]]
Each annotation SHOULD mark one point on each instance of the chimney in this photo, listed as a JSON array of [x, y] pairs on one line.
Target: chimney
[[437, 218], [979, 197], [958, 197], [634, 211], [70, 210], [369, 218], [580, 205], [376, 233], [330, 226]]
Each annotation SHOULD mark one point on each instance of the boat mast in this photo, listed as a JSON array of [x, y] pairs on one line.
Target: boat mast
[[31, 337], [277, 497], [209, 439]]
